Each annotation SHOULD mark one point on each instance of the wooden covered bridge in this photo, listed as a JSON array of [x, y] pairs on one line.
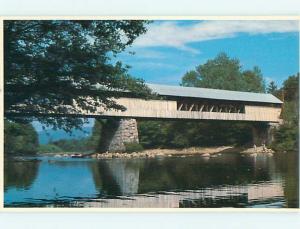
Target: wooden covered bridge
[[178, 102], [189, 103]]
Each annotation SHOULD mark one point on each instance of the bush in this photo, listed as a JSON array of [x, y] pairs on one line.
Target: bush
[[49, 148], [286, 138], [131, 147]]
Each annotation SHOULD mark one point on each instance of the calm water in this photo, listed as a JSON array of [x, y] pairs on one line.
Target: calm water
[[229, 180]]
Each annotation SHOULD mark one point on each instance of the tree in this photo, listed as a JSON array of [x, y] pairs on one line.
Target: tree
[[224, 72], [272, 88], [19, 138], [190, 79], [291, 88], [62, 66], [218, 73], [286, 137], [254, 81], [95, 138]]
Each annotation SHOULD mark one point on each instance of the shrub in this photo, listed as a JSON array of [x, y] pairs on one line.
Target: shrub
[[131, 147]]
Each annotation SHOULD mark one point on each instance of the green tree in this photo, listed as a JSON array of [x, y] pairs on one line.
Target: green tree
[[272, 88], [190, 79], [95, 138], [225, 73], [19, 138], [63, 66], [221, 72], [286, 137], [291, 88], [254, 81]]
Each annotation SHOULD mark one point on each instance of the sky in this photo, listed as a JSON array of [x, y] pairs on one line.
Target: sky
[[170, 48]]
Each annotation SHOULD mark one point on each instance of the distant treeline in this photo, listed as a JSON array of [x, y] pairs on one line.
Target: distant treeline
[[221, 72]]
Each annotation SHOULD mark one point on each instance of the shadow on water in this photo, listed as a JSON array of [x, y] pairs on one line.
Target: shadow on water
[[229, 180]]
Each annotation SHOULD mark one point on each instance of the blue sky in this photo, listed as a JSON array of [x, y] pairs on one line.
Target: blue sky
[[170, 48]]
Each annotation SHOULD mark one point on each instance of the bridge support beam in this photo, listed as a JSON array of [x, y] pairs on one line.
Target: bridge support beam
[[263, 133], [117, 132]]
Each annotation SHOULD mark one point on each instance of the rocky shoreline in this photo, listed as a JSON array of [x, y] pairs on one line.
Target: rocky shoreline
[[205, 152], [153, 153]]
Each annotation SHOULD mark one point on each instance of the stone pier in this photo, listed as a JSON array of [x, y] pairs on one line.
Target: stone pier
[[117, 132], [263, 133]]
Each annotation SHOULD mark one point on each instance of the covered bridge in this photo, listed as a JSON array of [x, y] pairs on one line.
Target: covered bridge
[[177, 102], [190, 103]]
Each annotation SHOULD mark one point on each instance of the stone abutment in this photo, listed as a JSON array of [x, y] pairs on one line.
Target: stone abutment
[[116, 133]]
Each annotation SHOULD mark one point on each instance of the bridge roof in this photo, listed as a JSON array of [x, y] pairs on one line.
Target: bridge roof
[[206, 93]]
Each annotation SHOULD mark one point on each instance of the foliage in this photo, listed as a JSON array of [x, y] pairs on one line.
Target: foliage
[[291, 88], [64, 66], [49, 148], [181, 134], [272, 88], [73, 145], [225, 73], [95, 139], [153, 134], [131, 147], [286, 137], [254, 81], [19, 138]]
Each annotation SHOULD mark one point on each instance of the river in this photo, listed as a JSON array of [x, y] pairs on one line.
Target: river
[[227, 180]]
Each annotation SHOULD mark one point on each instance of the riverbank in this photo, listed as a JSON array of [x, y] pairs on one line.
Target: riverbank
[[152, 153]]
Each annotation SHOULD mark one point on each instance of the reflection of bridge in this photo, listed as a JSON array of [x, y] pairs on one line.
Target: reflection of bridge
[[210, 197], [131, 180]]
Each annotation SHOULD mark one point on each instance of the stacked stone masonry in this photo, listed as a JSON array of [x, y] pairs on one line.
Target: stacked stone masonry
[[126, 132]]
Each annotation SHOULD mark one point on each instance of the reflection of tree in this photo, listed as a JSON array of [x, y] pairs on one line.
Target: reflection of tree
[[103, 179], [196, 173], [20, 174], [128, 177], [287, 164], [237, 201]]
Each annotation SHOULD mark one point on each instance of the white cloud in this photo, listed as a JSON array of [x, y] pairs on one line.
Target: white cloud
[[172, 34]]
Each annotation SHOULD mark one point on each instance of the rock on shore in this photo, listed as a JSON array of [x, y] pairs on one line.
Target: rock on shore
[[258, 150]]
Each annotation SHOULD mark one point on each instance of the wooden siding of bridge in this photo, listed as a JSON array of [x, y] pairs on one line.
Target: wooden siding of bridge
[[168, 109]]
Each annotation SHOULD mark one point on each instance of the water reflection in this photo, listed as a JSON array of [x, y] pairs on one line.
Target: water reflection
[[20, 174], [229, 180]]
